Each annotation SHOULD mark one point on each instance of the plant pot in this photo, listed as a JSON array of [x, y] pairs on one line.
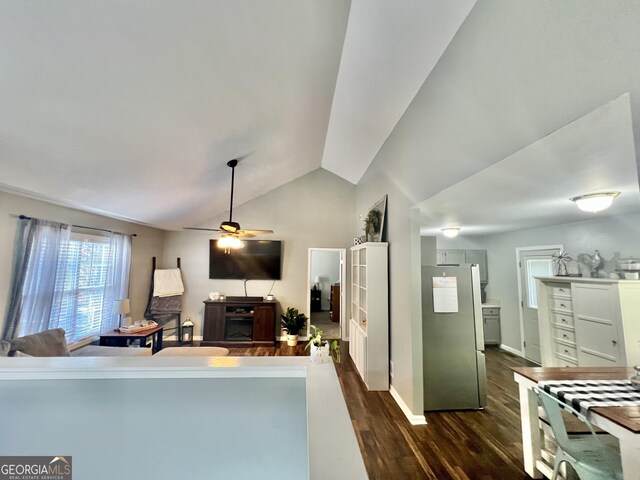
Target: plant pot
[[292, 340], [320, 354]]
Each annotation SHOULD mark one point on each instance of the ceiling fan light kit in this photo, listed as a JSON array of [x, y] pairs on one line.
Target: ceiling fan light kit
[[450, 232], [594, 202], [230, 240]]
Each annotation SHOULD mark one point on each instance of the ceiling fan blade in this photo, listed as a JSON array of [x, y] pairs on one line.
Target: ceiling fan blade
[[254, 232], [202, 229]]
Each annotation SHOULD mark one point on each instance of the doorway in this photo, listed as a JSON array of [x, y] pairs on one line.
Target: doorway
[[326, 274], [532, 262]]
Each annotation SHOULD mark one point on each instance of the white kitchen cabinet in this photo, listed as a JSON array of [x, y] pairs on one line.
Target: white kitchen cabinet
[[589, 321], [369, 319]]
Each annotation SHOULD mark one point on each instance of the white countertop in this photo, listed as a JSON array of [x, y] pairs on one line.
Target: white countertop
[[492, 303], [586, 280], [332, 441]]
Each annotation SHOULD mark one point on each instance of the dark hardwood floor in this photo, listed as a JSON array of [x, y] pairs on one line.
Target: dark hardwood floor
[[454, 445]]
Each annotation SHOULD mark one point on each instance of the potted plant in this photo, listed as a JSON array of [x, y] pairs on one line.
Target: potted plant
[[319, 348], [372, 224], [292, 321]]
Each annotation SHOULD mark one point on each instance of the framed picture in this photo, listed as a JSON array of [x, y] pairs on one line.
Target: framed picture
[[375, 221]]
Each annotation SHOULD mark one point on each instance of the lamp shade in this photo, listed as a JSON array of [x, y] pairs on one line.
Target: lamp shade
[[317, 279], [123, 307]]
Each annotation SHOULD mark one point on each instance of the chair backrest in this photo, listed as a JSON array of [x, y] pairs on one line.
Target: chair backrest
[[552, 407]]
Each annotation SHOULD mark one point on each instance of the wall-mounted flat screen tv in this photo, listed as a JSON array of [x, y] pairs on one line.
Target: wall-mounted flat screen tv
[[256, 260]]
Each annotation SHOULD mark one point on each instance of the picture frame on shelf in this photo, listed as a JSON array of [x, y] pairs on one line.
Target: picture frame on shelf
[[378, 210]]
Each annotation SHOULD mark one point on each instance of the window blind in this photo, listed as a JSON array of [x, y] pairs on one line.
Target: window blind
[[86, 300]]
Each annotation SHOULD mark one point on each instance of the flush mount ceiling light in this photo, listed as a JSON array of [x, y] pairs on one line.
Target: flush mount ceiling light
[[450, 232], [594, 202]]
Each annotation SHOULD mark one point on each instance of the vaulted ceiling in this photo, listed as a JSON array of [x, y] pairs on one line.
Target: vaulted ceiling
[[132, 109]]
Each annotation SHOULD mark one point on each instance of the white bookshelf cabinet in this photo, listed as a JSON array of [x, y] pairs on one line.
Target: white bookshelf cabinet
[[369, 313]]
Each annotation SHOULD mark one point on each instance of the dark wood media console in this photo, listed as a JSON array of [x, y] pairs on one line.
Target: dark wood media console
[[240, 322]]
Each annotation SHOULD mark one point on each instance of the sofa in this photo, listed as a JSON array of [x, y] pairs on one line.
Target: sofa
[[52, 343]]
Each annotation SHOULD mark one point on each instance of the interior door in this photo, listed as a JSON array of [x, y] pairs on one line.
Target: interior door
[[533, 263]]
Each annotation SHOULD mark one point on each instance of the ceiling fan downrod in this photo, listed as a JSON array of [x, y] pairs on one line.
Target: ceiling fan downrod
[[232, 164], [231, 226]]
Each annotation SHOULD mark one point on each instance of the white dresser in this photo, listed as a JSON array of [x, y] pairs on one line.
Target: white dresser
[[588, 321]]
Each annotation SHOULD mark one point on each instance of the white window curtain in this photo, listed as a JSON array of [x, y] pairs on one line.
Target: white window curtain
[[36, 265], [118, 275], [70, 281]]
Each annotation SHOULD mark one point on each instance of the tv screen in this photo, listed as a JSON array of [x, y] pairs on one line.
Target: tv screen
[[256, 260]]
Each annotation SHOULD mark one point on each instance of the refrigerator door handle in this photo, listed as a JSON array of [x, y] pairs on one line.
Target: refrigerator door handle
[[477, 306]]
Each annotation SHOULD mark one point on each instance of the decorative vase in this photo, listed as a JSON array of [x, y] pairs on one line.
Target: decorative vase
[[292, 340], [320, 354]]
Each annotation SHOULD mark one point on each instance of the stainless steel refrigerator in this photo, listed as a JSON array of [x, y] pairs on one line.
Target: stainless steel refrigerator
[[452, 338]]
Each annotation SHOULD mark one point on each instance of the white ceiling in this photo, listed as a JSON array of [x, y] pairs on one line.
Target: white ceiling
[[388, 53], [531, 187], [132, 109]]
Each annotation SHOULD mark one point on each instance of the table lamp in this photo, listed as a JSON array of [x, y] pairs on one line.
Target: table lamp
[[123, 308]]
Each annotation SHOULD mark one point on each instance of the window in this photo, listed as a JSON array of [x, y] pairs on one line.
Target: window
[[536, 267], [85, 293], [65, 279]]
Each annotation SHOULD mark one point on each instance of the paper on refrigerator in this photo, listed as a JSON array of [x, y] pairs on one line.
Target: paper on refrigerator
[[445, 294]]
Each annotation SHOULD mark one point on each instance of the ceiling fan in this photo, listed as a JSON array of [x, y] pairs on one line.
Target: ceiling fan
[[230, 228]]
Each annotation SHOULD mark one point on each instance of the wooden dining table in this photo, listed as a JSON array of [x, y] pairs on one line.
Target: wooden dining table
[[620, 421]]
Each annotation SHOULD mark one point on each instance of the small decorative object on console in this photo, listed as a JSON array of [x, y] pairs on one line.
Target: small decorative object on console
[[561, 258], [186, 332], [594, 262]]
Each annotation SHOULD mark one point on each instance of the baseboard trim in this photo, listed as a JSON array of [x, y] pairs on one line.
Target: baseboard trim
[[512, 350], [413, 419]]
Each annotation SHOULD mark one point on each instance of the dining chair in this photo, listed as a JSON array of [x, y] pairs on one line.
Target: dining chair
[[589, 456]]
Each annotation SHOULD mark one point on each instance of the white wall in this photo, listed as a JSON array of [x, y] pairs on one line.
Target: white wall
[[325, 265], [315, 210], [514, 72], [148, 243]]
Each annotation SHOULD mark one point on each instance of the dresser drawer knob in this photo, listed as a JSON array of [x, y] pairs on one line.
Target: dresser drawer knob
[[564, 335], [614, 342]]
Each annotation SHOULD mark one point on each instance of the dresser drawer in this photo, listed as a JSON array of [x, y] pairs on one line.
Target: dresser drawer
[[564, 335], [565, 362], [490, 311], [564, 319], [565, 351], [561, 304], [560, 290]]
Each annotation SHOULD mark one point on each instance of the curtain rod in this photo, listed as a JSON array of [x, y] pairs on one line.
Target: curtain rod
[[24, 217]]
